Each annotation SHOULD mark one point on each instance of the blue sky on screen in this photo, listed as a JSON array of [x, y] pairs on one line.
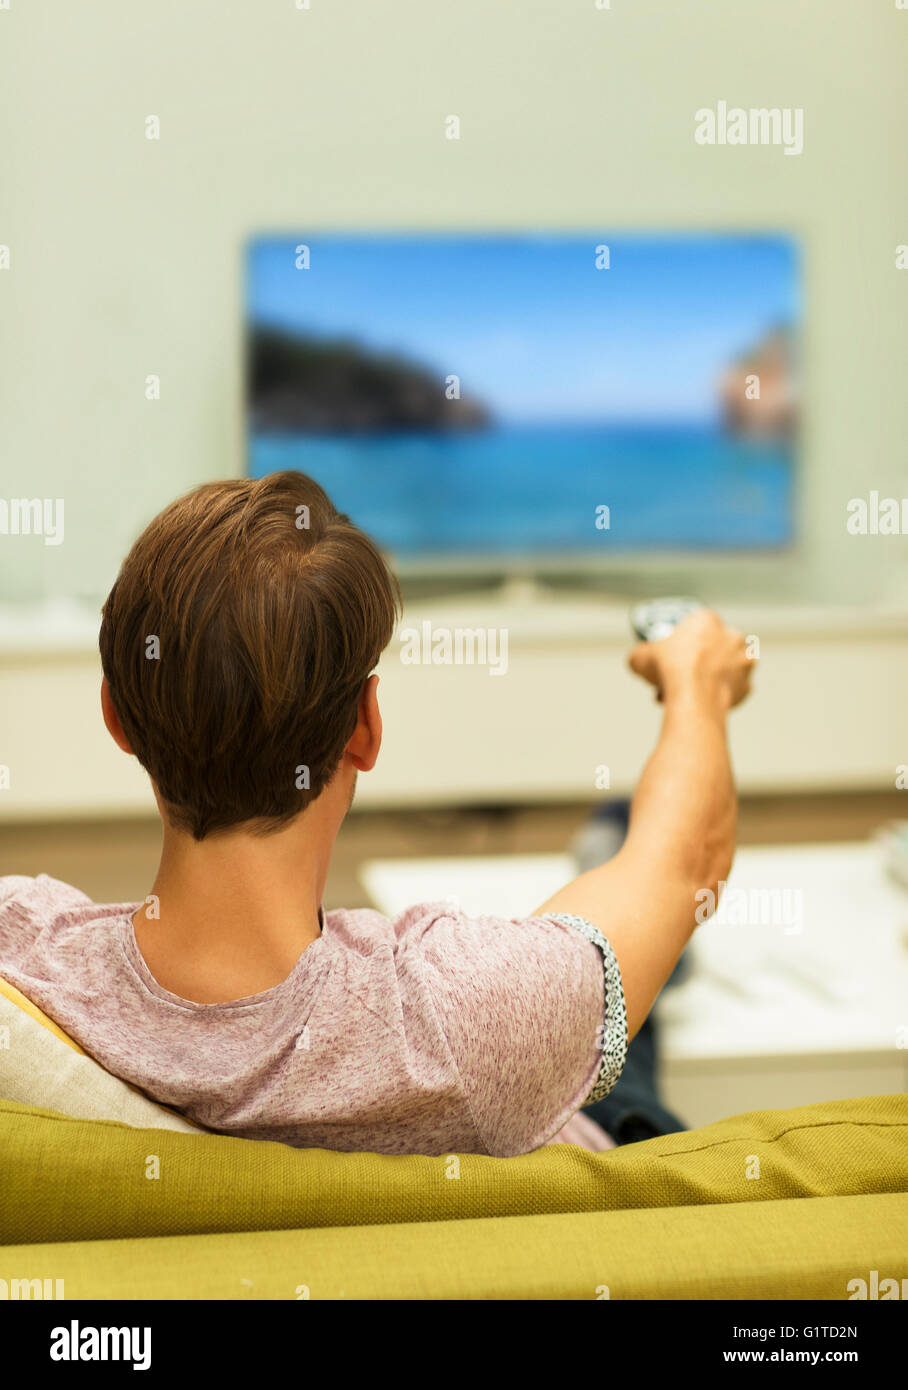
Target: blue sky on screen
[[528, 323]]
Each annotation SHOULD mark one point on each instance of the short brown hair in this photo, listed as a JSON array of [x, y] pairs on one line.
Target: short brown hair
[[270, 609]]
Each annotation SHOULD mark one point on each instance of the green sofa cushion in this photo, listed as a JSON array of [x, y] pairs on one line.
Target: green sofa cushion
[[67, 1179], [741, 1251]]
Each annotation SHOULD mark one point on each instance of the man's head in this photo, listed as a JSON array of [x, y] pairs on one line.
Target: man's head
[[237, 643]]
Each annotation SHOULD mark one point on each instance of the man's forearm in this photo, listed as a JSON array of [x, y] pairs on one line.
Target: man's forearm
[[684, 812], [680, 840]]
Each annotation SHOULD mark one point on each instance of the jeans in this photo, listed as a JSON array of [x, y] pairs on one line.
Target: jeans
[[632, 1110]]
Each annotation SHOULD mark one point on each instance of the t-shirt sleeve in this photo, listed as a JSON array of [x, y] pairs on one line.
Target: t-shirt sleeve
[[26, 906], [15, 920], [533, 1012]]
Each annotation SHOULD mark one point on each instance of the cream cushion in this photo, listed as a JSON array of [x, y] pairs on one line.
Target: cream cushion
[[41, 1066]]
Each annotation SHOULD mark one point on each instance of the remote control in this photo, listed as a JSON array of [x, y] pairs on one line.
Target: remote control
[[659, 617]]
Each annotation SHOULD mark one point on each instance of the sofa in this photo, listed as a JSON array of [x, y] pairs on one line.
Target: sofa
[[119, 1198]]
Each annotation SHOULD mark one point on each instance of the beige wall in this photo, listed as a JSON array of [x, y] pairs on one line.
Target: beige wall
[[126, 253]]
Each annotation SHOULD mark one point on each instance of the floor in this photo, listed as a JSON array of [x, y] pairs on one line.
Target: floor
[[115, 861]]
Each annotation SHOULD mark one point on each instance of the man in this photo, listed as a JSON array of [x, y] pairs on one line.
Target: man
[[239, 645]]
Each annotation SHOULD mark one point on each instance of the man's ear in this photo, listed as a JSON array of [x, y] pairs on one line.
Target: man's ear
[[365, 741], [112, 719]]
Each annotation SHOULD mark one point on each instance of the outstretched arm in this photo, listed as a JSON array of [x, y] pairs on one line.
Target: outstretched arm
[[681, 836]]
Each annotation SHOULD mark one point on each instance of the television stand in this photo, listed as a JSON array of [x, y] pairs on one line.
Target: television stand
[[521, 588]]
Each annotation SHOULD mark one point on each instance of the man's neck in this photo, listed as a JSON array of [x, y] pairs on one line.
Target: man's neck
[[235, 911]]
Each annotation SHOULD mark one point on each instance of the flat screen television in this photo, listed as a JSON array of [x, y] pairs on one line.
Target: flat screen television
[[532, 400]]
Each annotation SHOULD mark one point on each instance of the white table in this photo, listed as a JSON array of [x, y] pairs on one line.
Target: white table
[[798, 988]]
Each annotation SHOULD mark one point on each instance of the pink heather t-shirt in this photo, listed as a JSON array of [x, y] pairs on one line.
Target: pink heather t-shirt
[[430, 1034]]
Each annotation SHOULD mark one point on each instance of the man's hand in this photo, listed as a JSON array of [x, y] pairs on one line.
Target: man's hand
[[702, 657]]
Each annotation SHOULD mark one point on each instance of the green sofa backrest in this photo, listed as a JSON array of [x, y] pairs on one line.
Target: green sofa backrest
[[66, 1179]]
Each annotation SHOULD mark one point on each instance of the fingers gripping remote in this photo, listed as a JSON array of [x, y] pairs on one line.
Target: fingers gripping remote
[[659, 617]]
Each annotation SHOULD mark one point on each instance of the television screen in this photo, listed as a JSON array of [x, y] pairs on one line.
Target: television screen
[[536, 398]]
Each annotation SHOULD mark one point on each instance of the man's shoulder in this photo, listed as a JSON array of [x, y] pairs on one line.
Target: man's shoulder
[[444, 934], [30, 907], [366, 928], [26, 894]]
